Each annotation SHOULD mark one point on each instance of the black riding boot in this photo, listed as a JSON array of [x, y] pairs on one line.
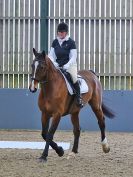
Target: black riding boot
[[78, 95]]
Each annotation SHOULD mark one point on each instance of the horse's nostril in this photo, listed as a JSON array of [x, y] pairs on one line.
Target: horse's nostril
[[33, 91]]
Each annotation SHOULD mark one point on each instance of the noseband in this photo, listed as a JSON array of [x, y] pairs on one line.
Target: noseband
[[41, 82]]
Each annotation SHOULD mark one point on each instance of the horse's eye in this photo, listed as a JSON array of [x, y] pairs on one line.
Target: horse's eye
[[42, 67]]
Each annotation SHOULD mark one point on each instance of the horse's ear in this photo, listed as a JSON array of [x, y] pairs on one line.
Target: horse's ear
[[34, 51], [43, 53]]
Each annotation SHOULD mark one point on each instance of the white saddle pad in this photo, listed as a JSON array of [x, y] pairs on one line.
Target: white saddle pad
[[83, 85]]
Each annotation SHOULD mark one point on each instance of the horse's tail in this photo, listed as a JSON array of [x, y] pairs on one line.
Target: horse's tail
[[107, 111]]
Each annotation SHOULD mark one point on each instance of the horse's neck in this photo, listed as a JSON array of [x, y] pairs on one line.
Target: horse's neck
[[52, 71], [52, 77]]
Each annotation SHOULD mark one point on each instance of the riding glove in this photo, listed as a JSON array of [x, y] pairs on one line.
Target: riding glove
[[66, 66]]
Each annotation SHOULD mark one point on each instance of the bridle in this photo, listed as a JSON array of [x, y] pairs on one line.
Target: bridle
[[40, 81]]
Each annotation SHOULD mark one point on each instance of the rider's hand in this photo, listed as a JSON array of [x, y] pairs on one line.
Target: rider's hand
[[66, 66]]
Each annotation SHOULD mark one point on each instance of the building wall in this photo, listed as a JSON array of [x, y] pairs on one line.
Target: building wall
[[19, 33], [102, 29]]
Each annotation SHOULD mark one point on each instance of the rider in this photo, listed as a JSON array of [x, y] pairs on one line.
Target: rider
[[63, 53]]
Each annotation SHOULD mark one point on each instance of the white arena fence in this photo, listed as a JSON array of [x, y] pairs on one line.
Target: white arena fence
[[102, 29]]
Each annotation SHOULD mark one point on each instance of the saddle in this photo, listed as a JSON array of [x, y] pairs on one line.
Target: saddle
[[68, 79]]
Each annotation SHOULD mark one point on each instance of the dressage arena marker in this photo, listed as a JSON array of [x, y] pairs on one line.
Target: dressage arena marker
[[29, 145]]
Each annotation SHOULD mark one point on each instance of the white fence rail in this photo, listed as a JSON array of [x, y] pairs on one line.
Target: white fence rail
[[102, 29], [19, 32]]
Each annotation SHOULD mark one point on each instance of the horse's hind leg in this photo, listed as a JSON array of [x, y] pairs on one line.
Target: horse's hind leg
[[101, 122], [76, 132]]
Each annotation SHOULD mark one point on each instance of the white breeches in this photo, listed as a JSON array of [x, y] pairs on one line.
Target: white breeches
[[73, 72]]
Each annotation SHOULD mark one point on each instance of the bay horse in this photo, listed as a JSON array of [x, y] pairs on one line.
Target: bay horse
[[54, 102]]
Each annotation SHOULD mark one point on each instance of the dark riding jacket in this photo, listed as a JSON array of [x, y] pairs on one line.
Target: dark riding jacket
[[62, 50]]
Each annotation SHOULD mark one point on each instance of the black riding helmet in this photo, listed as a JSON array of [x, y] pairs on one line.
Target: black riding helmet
[[62, 27]]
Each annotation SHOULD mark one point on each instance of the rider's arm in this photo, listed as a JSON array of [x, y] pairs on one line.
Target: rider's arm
[[72, 56], [52, 57]]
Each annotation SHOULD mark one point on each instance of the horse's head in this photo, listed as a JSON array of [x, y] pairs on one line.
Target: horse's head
[[39, 69]]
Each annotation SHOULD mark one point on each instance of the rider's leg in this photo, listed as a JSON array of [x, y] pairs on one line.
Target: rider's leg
[[73, 72], [78, 95]]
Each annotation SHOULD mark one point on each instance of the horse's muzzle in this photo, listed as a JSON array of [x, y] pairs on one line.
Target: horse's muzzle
[[33, 91], [33, 85]]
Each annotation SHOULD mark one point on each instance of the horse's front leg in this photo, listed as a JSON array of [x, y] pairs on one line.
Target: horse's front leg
[[45, 126], [49, 139], [76, 132]]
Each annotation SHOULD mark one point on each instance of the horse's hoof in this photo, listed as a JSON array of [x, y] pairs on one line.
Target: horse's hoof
[[71, 155], [60, 151], [42, 159], [106, 148]]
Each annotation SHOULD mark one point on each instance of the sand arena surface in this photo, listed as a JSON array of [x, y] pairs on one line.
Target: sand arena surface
[[89, 162]]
